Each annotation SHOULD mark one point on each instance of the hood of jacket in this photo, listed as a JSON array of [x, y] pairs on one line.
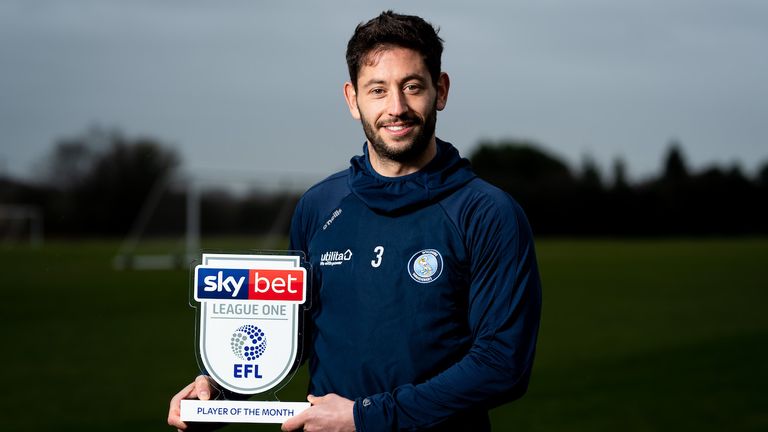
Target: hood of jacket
[[445, 173]]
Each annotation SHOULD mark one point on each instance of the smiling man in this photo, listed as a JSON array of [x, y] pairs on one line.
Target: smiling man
[[397, 100], [426, 290]]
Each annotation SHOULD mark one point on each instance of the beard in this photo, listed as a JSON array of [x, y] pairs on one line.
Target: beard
[[409, 151]]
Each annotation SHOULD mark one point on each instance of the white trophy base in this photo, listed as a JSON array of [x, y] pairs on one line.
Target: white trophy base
[[229, 411]]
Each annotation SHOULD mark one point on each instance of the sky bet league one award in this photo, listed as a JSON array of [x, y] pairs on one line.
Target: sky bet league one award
[[248, 309]]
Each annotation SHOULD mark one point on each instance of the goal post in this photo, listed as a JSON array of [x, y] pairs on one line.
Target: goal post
[[21, 224], [193, 188]]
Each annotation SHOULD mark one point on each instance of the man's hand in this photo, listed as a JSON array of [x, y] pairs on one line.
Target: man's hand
[[200, 389], [331, 413]]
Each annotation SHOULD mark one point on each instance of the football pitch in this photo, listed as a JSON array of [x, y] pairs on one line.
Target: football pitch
[[637, 335]]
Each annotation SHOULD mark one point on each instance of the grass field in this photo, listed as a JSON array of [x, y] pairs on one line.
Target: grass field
[[636, 336]]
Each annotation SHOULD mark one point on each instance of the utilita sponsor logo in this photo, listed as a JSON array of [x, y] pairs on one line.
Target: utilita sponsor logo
[[332, 258]]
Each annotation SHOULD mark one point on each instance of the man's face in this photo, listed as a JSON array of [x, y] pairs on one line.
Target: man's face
[[397, 103]]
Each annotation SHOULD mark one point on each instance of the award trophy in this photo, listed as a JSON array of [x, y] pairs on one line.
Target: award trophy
[[248, 309]]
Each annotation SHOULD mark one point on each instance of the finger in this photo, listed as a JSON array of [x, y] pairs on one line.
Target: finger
[[317, 400], [175, 421], [174, 411], [181, 395], [296, 422], [202, 387]]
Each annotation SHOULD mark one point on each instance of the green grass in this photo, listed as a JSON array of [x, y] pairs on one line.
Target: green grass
[[636, 335], [648, 336]]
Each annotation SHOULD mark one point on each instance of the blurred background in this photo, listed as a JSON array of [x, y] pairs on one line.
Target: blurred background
[[133, 134]]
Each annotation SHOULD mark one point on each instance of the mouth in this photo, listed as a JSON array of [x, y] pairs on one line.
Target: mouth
[[395, 128], [399, 128]]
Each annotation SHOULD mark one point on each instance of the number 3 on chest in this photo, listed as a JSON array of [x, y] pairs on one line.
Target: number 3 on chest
[[378, 251]]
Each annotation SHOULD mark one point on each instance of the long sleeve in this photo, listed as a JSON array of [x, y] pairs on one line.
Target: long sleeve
[[504, 312]]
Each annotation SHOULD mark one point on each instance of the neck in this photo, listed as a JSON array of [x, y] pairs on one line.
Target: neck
[[391, 168]]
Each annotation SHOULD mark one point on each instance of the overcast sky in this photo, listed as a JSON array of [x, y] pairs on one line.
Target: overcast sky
[[256, 86]]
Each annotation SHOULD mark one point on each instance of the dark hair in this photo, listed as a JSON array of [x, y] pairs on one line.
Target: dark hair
[[389, 28]]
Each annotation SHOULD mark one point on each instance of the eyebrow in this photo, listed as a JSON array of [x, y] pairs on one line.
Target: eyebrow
[[414, 76]]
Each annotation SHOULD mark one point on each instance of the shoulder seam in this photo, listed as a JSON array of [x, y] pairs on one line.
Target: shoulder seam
[[332, 177]]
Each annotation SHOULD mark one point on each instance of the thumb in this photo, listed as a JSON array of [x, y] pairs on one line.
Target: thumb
[[202, 388], [313, 399]]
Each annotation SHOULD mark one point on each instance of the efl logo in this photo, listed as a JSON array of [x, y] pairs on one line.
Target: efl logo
[[284, 285]]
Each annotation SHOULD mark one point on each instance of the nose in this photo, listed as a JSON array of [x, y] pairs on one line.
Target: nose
[[397, 104]]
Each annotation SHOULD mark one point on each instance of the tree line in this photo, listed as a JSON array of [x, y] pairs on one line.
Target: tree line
[[101, 183], [561, 201]]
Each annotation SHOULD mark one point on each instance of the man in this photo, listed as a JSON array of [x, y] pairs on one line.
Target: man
[[428, 316]]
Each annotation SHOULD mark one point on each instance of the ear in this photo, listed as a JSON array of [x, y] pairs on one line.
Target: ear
[[443, 84], [350, 95]]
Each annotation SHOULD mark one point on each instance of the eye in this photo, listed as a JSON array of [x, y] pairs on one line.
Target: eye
[[377, 91], [412, 88]]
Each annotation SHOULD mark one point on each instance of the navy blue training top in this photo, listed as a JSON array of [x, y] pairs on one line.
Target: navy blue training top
[[426, 294]]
